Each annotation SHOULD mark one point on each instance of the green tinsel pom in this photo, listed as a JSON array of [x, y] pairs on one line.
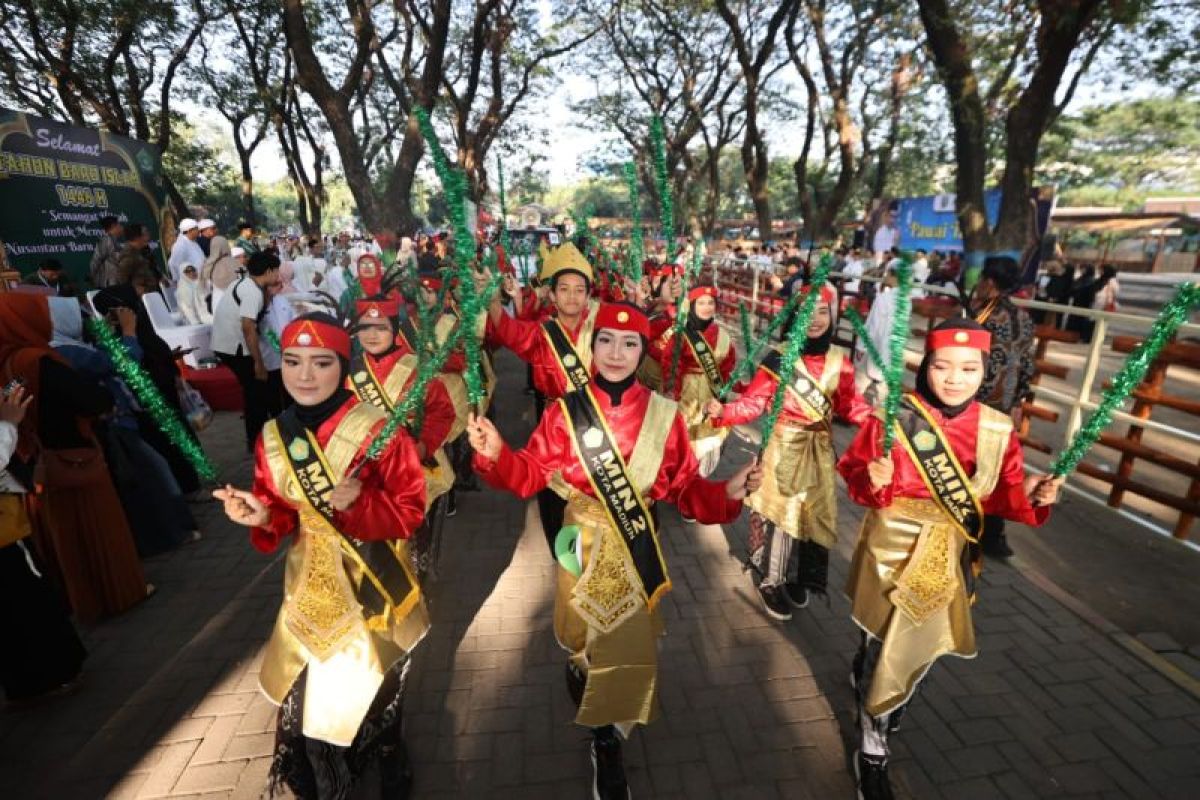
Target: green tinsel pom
[[796, 340], [637, 244], [1127, 379], [897, 339], [666, 204], [150, 399], [860, 330]]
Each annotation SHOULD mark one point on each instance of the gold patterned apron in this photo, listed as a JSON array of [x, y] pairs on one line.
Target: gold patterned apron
[[322, 624], [614, 640], [798, 493], [439, 476], [906, 583]]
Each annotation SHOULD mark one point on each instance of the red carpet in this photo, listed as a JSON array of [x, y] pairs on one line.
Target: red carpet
[[217, 386]]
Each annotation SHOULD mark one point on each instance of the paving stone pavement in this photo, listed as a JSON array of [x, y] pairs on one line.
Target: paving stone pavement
[[1053, 706]]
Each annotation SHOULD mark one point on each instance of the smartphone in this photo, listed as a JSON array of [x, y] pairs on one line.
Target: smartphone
[[13, 385]]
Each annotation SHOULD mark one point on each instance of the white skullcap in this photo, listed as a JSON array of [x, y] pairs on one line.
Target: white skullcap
[[237, 252], [206, 223], [187, 224]]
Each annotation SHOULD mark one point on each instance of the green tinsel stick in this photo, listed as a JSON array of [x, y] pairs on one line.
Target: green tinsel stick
[[472, 304], [860, 330], [754, 345], [681, 314], [504, 242], [795, 345], [637, 244], [897, 339], [1127, 379], [746, 324], [151, 399], [666, 204]]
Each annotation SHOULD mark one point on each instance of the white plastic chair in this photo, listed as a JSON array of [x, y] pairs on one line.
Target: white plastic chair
[[176, 335]]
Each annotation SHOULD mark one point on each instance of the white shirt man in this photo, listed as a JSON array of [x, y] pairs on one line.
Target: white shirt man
[[920, 273], [185, 250], [853, 271], [244, 300]]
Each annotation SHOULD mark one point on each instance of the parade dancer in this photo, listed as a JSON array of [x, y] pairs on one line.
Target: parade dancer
[[353, 610], [706, 361], [620, 448], [558, 349], [794, 520], [381, 375], [910, 584]]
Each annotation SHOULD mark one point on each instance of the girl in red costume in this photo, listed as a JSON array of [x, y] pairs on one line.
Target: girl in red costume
[[794, 519], [706, 360], [620, 448], [383, 374], [353, 611], [910, 585]]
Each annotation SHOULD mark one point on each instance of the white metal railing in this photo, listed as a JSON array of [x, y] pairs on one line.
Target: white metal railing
[[1075, 404]]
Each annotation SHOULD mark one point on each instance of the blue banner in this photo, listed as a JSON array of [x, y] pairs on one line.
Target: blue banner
[[929, 223]]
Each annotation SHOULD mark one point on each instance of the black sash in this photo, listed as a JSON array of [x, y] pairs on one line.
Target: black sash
[[805, 388], [610, 479], [568, 357], [387, 584], [704, 357], [947, 481], [366, 384], [408, 332]]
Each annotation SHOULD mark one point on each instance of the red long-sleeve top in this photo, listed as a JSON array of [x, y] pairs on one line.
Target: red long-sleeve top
[[529, 342], [439, 411], [688, 365], [525, 472], [1007, 500], [391, 505], [533, 308], [754, 402]]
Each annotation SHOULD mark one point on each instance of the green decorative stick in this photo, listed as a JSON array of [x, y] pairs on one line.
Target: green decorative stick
[[504, 242], [897, 339], [681, 314], [1127, 379], [747, 325], [666, 203], [860, 330], [796, 340], [150, 399], [637, 244], [454, 188]]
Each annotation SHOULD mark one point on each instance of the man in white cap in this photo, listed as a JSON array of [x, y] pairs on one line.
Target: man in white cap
[[208, 229], [185, 250]]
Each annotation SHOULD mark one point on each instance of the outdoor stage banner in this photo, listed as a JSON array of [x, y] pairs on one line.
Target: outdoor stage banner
[[57, 180]]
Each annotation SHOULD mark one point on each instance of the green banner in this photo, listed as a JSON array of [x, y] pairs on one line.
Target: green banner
[[57, 180]]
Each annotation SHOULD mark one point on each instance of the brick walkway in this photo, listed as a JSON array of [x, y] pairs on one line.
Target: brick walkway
[[1055, 705]]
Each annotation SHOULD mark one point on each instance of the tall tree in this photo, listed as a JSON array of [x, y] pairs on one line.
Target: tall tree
[[111, 63], [1028, 48], [379, 61], [753, 32]]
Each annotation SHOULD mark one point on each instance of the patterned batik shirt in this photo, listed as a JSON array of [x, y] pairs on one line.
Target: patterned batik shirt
[[1010, 367]]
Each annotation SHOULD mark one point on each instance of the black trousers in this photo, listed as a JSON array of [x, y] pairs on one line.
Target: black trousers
[[255, 402]]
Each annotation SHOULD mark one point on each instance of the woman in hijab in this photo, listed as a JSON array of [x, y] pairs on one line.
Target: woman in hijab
[[82, 530], [794, 519], [287, 275], [42, 652], [190, 297], [337, 661], [911, 583], [159, 362], [153, 503]]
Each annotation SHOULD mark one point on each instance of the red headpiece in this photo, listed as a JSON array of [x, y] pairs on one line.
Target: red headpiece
[[702, 291], [378, 308], [620, 317], [828, 296], [958, 337], [316, 333], [431, 282]]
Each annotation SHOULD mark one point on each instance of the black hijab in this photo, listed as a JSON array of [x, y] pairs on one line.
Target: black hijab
[[157, 357], [313, 416], [924, 390]]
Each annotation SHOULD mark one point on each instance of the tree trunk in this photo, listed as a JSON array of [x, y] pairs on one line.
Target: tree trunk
[[247, 183], [175, 198]]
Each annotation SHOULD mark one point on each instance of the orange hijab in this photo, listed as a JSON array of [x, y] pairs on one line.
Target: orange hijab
[[25, 331]]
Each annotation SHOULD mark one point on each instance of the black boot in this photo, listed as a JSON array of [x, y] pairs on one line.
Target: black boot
[[608, 781], [774, 602], [871, 774]]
